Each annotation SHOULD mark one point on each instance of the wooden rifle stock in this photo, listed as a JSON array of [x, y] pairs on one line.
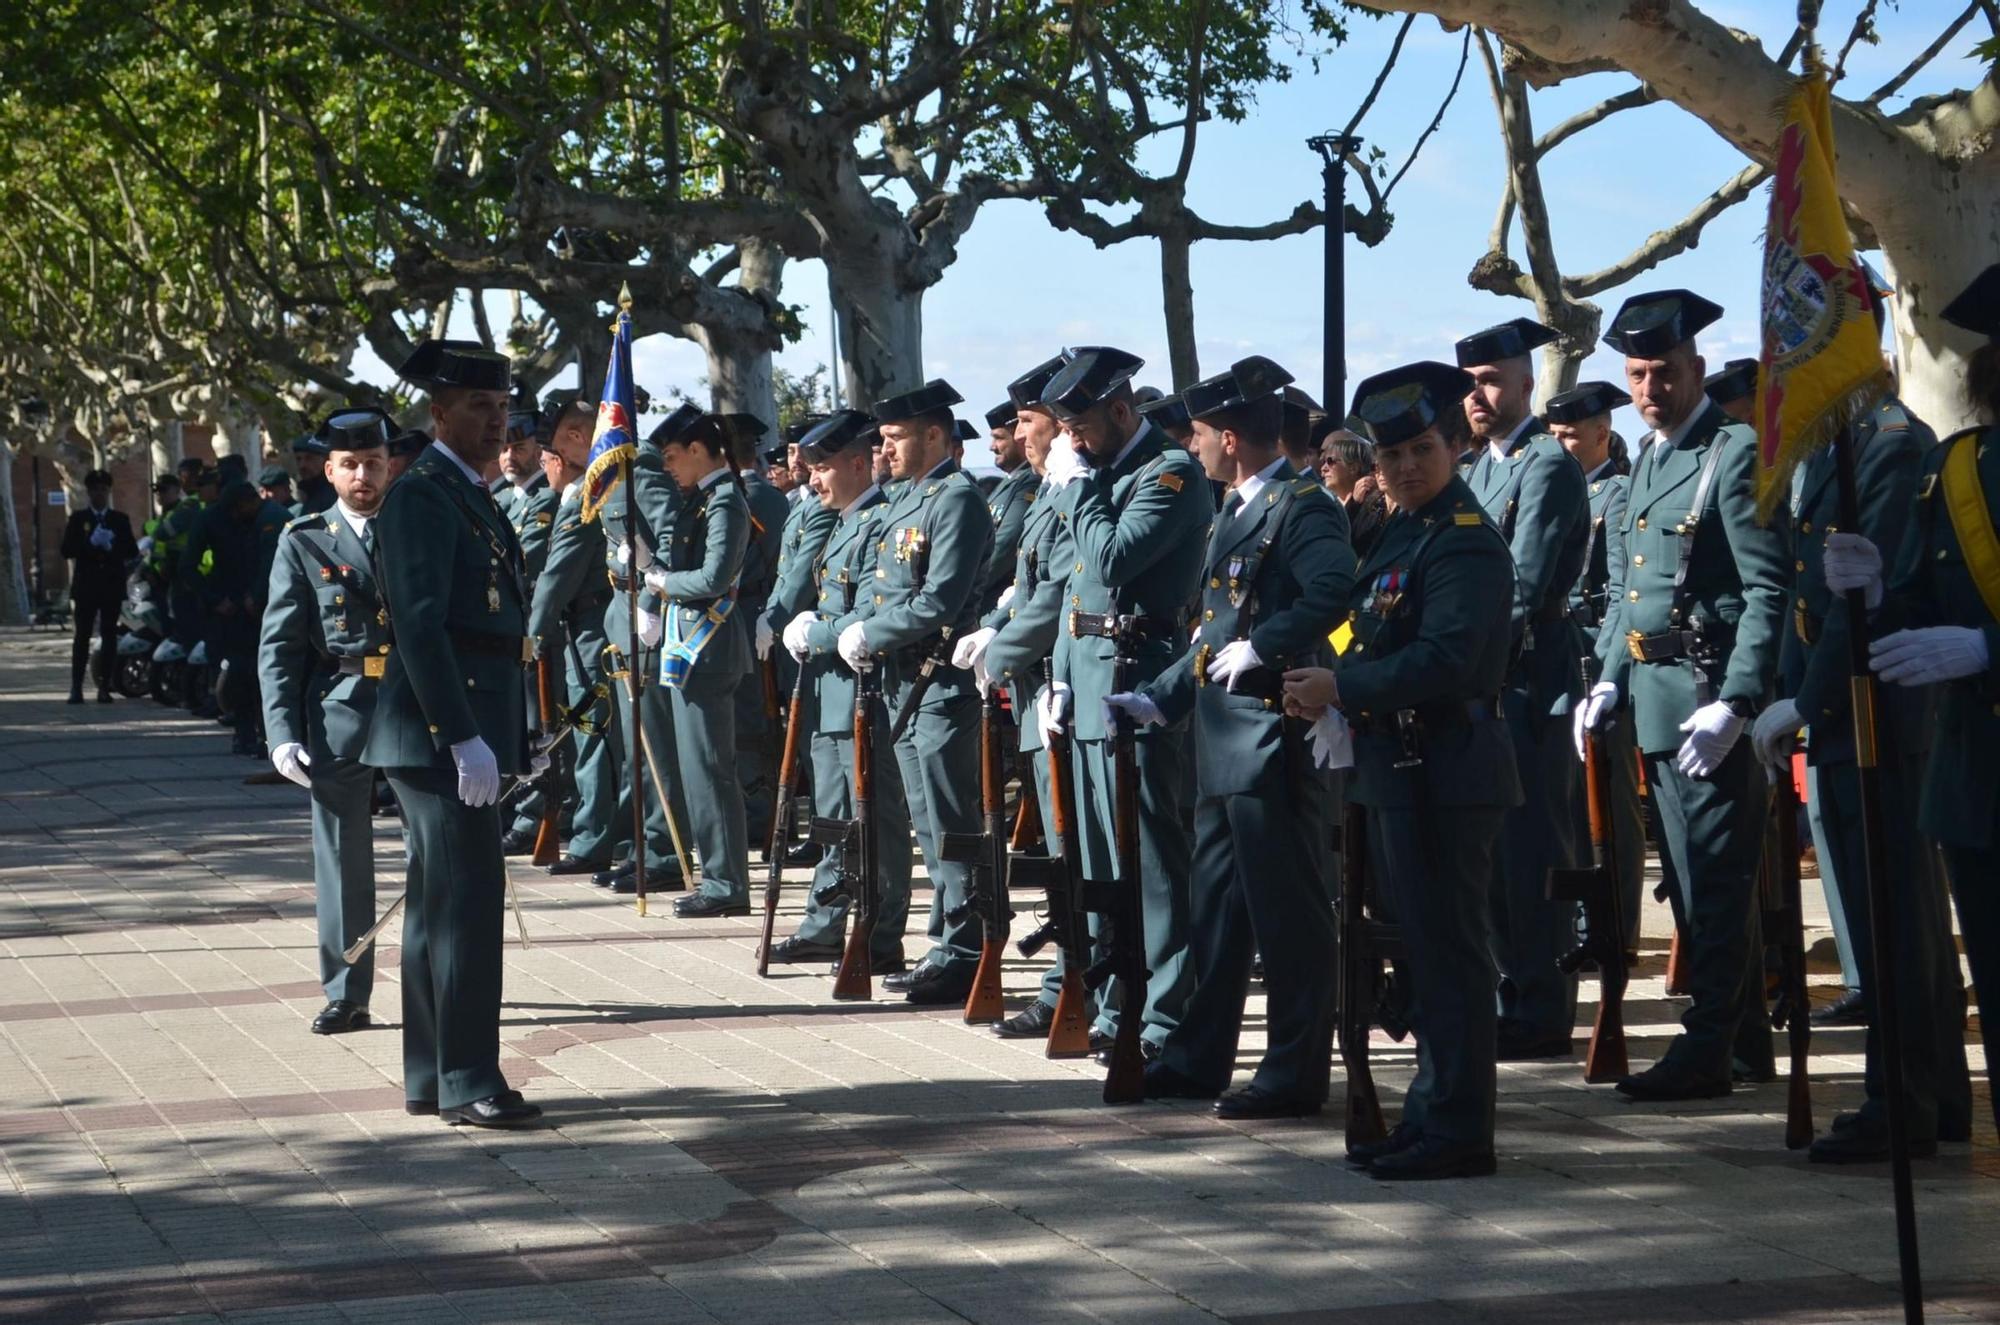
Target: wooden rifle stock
[[1360, 964], [1784, 930], [1125, 1082], [1069, 1030], [851, 980], [781, 816], [1605, 1060], [546, 847], [983, 1002]]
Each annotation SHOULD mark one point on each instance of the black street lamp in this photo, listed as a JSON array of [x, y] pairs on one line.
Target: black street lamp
[[35, 412], [1334, 150]]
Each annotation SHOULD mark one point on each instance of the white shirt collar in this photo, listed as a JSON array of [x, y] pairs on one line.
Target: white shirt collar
[[1250, 487], [710, 480], [1500, 446], [1675, 437], [1130, 442], [1604, 469], [355, 520], [939, 465], [571, 487], [470, 473], [523, 484], [858, 502]]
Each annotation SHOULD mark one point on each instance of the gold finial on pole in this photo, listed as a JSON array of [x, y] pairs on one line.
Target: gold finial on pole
[[625, 296]]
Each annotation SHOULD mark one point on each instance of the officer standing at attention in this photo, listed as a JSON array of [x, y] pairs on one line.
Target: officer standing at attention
[[1580, 419], [937, 534], [705, 654], [839, 576], [1420, 685], [1139, 516], [808, 523], [1939, 625], [757, 735], [1734, 390], [99, 540], [1278, 573], [1009, 502], [324, 647], [530, 505], [448, 727], [1693, 645], [1534, 492]]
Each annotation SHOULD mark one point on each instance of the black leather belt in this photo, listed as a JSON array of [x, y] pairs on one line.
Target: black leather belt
[[373, 664], [1667, 646], [1110, 625], [515, 648], [1442, 716], [1265, 683]]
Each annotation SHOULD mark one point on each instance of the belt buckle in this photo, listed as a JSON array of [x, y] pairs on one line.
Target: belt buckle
[[1075, 623], [527, 649], [1635, 644], [374, 666], [1201, 666], [1802, 623]]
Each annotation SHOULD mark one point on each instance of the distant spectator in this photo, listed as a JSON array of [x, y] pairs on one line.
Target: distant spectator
[[99, 540]]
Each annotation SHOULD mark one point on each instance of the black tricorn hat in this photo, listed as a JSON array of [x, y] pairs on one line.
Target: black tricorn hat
[[1167, 412], [1025, 391], [436, 364], [964, 431], [310, 444], [744, 427], [270, 476], [356, 429], [836, 433], [1092, 373], [933, 395], [1247, 381], [1504, 340], [1649, 325], [679, 426], [794, 432], [1977, 307], [408, 443], [1002, 415], [1737, 379], [1586, 400], [773, 456], [1403, 402]]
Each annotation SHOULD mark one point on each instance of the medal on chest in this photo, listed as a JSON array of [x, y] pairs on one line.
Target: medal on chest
[[493, 588], [909, 543], [1236, 589], [1387, 591]]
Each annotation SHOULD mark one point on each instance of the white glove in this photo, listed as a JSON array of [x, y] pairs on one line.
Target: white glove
[[1332, 741], [1231, 661], [625, 554], [965, 654], [291, 760], [1052, 710], [478, 771], [539, 747], [795, 635], [100, 537], [1063, 463], [1603, 697], [852, 646], [1773, 736], [1852, 562], [765, 638], [145, 545], [656, 580], [1712, 729], [650, 628], [1006, 597], [1934, 653], [1141, 707]]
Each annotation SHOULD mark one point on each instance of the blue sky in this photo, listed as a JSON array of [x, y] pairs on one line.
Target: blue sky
[[1020, 289]]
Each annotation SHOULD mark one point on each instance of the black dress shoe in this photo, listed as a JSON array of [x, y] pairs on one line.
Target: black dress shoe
[[892, 965], [104, 696], [803, 853], [1163, 1083], [421, 1108], [900, 982], [566, 865], [76, 696], [1401, 1137], [1526, 1048], [1864, 1141], [934, 986], [1030, 1023], [1148, 1051], [1662, 1082], [610, 878], [700, 906], [1434, 1158], [340, 1016], [659, 879], [796, 949], [1752, 1074], [517, 841], [1850, 1009], [1250, 1102], [504, 1110]]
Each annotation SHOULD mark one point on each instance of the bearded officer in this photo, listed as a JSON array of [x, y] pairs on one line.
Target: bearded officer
[[1693, 647], [448, 726], [324, 645]]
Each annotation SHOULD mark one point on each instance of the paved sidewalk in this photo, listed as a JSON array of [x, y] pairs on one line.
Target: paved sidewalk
[[723, 1148]]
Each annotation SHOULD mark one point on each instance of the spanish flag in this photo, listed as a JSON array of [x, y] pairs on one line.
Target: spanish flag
[[613, 443], [1821, 366]]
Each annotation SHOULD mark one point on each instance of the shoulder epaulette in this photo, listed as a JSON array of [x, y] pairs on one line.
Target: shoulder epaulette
[[1172, 482], [1467, 519]]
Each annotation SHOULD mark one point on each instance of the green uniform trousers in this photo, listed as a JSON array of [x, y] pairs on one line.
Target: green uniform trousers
[[833, 798], [656, 712], [938, 757], [343, 838], [705, 741], [1973, 872], [1531, 932]]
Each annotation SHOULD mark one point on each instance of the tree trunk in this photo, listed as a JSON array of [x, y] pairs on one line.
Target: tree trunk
[[881, 332], [13, 566], [739, 359], [1933, 253], [1177, 298]]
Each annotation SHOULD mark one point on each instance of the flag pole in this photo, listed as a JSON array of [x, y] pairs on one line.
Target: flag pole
[[635, 734]]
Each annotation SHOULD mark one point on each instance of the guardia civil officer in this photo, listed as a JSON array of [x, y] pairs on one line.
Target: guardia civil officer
[[1693, 646], [1734, 390], [1278, 570], [1938, 625], [937, 534], [323, 648], [838, 577], [705, 655], [99, 540], [1420, 686], [1535, 493], [757, 730], [530, 503], [1580, 419], [448, 727], [1010, 502], [1139, 516]]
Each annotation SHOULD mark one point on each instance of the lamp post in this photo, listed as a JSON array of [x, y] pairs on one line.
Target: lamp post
[[35, 412], [1334, 149]]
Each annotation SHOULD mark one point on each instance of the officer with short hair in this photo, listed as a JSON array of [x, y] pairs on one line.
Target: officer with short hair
[[1009, 503]]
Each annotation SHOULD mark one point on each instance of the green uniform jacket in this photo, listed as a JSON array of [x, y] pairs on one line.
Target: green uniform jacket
[[704, 566], [533, 515], [808, 526], [928, 560], [1430, 608], [657, 501], [1026, 628], [569, 589], [844, 570], [1009, 505], [1603, 577], [1735, 587], [1933, 586], [324, 605], [458, 611], [1536, 495], [1140, 533], [1280, 572], [768, 513]]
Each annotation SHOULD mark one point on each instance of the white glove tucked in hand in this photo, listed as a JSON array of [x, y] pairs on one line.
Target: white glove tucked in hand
[[1231, 661], [145, 545], [969, 654], [1603, 697], [1712, 729], [540, 747], [656, 580], [650, 628], [100, 537], [1064, 464], [1006, 597], [1852, 562], [795, 634], [852, 646], [291, 760], [1332, 740], [1773, 736], [1052, 710], [478, 771], [1141, 708], [765, 638], [1932, 654]]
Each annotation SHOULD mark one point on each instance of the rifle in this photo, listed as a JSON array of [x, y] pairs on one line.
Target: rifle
[[1362, 943], [851, 979], [1598, 888], [546, 851], [1123, 933], [926, 673], [781, 814], [1784, 930], [987, 853]]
